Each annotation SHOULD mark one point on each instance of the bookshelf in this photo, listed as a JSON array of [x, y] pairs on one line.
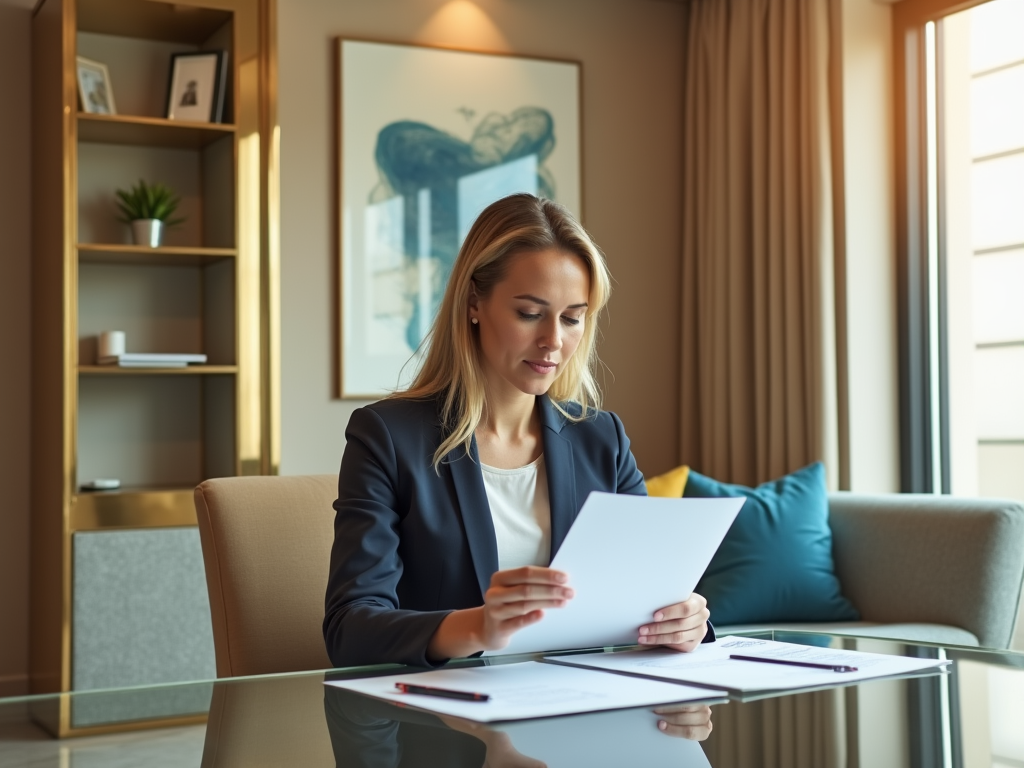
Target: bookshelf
[[210, 288]]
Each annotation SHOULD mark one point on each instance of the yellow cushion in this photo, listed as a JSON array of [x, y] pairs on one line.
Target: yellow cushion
[[670, 484]]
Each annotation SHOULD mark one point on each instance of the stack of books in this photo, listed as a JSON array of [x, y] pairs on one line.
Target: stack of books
[[151, 360]]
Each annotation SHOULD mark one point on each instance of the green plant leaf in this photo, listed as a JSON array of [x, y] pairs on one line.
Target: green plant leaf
[[148, 201]]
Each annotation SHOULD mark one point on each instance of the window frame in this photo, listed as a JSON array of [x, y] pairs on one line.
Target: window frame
[[919, 438]]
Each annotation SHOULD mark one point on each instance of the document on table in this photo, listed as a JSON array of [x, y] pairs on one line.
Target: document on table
[[603, 740], [627, 556], [528, 689], [710, 665]]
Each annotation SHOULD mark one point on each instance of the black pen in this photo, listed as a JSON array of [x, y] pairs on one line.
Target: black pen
[[789, 662], [443, 693]]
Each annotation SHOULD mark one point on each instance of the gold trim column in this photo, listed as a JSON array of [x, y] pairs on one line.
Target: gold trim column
[[271, 298]]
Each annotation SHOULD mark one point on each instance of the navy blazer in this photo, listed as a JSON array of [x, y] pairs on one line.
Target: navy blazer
[[411, 544]]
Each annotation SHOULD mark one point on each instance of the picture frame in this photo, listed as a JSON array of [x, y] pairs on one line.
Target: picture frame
[[426, 139], [196, 86], [94, 89]]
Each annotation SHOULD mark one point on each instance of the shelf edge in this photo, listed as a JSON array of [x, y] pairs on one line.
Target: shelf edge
[[191, 370], [100, 510]]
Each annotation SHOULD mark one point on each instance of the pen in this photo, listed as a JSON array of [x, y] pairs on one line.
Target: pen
[[444, 693], [788, 662]]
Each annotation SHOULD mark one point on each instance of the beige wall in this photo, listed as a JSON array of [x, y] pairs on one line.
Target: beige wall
[[631, 52], [14, 348], [631, 56]]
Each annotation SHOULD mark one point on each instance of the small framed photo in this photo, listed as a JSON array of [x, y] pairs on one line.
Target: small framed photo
[[197, 85], [94, 87]]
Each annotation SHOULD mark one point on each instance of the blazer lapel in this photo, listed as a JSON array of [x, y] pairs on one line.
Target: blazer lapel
[[475, 512], [561, 474]]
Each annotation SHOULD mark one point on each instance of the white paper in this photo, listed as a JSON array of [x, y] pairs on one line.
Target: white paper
[[528, 689], [604, 740], [710, 664], [627, 556]]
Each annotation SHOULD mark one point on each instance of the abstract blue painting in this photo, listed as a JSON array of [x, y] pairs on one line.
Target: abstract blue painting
[[484, 133]]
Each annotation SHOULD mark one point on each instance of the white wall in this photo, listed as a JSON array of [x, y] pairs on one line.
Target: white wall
[[631, 54], [15, 180], [870, 200]]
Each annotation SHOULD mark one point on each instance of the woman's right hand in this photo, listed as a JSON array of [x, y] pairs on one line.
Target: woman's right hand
[[515, 599]]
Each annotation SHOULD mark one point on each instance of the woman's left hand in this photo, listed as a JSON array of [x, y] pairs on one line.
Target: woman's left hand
[[681, 626]]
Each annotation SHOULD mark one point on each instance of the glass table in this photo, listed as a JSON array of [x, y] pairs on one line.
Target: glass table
[[972, 717]]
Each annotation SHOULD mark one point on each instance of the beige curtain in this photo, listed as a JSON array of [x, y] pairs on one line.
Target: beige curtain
[[757, 320]]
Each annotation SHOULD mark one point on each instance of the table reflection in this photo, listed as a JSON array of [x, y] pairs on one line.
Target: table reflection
[[300, 721], [376, 734], [804, 730], [969, 718]]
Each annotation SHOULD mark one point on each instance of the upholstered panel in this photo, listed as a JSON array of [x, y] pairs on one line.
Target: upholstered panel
[[140, 614], [923, 559], [267, 546]]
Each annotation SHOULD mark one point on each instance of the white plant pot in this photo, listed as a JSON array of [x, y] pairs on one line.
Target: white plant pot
[[148, 232]]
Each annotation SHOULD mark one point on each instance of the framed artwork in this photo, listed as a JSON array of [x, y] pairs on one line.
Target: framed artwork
[[428, 138], [94, 87], [196, 88]]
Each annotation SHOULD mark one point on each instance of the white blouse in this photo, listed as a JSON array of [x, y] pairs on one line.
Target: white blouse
[[521, 512]]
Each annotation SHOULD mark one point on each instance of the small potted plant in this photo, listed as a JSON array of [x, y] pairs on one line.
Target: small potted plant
[[148, 208]]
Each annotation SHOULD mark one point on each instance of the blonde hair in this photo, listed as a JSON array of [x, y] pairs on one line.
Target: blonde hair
[[513, 225]]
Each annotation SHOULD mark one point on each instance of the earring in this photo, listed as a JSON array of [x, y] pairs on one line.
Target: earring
[[474, 321]]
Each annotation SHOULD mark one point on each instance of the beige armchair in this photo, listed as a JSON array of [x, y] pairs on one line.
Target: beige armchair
[[266, 548]]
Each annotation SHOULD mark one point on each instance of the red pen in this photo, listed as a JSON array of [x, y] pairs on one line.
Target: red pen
[[443, 693]]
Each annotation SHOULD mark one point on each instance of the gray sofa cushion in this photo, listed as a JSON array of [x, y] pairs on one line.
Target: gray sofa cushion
[[915, 559]]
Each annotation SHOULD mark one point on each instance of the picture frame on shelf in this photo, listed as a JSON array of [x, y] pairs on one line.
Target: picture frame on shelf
[[428, 138], [197, 85], [94, 89]]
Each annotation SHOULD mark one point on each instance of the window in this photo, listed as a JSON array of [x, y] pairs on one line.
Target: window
[[963, 253], [978, 71]]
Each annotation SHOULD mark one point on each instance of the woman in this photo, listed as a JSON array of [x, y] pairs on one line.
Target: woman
[[454, 495]]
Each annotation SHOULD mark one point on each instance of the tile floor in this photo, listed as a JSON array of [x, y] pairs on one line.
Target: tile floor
[[23, 745]]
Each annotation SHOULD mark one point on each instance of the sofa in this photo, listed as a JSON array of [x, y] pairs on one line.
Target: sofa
[[925, 568]]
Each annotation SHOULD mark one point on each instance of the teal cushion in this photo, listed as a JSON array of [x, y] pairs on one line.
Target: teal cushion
[[775, 563]]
